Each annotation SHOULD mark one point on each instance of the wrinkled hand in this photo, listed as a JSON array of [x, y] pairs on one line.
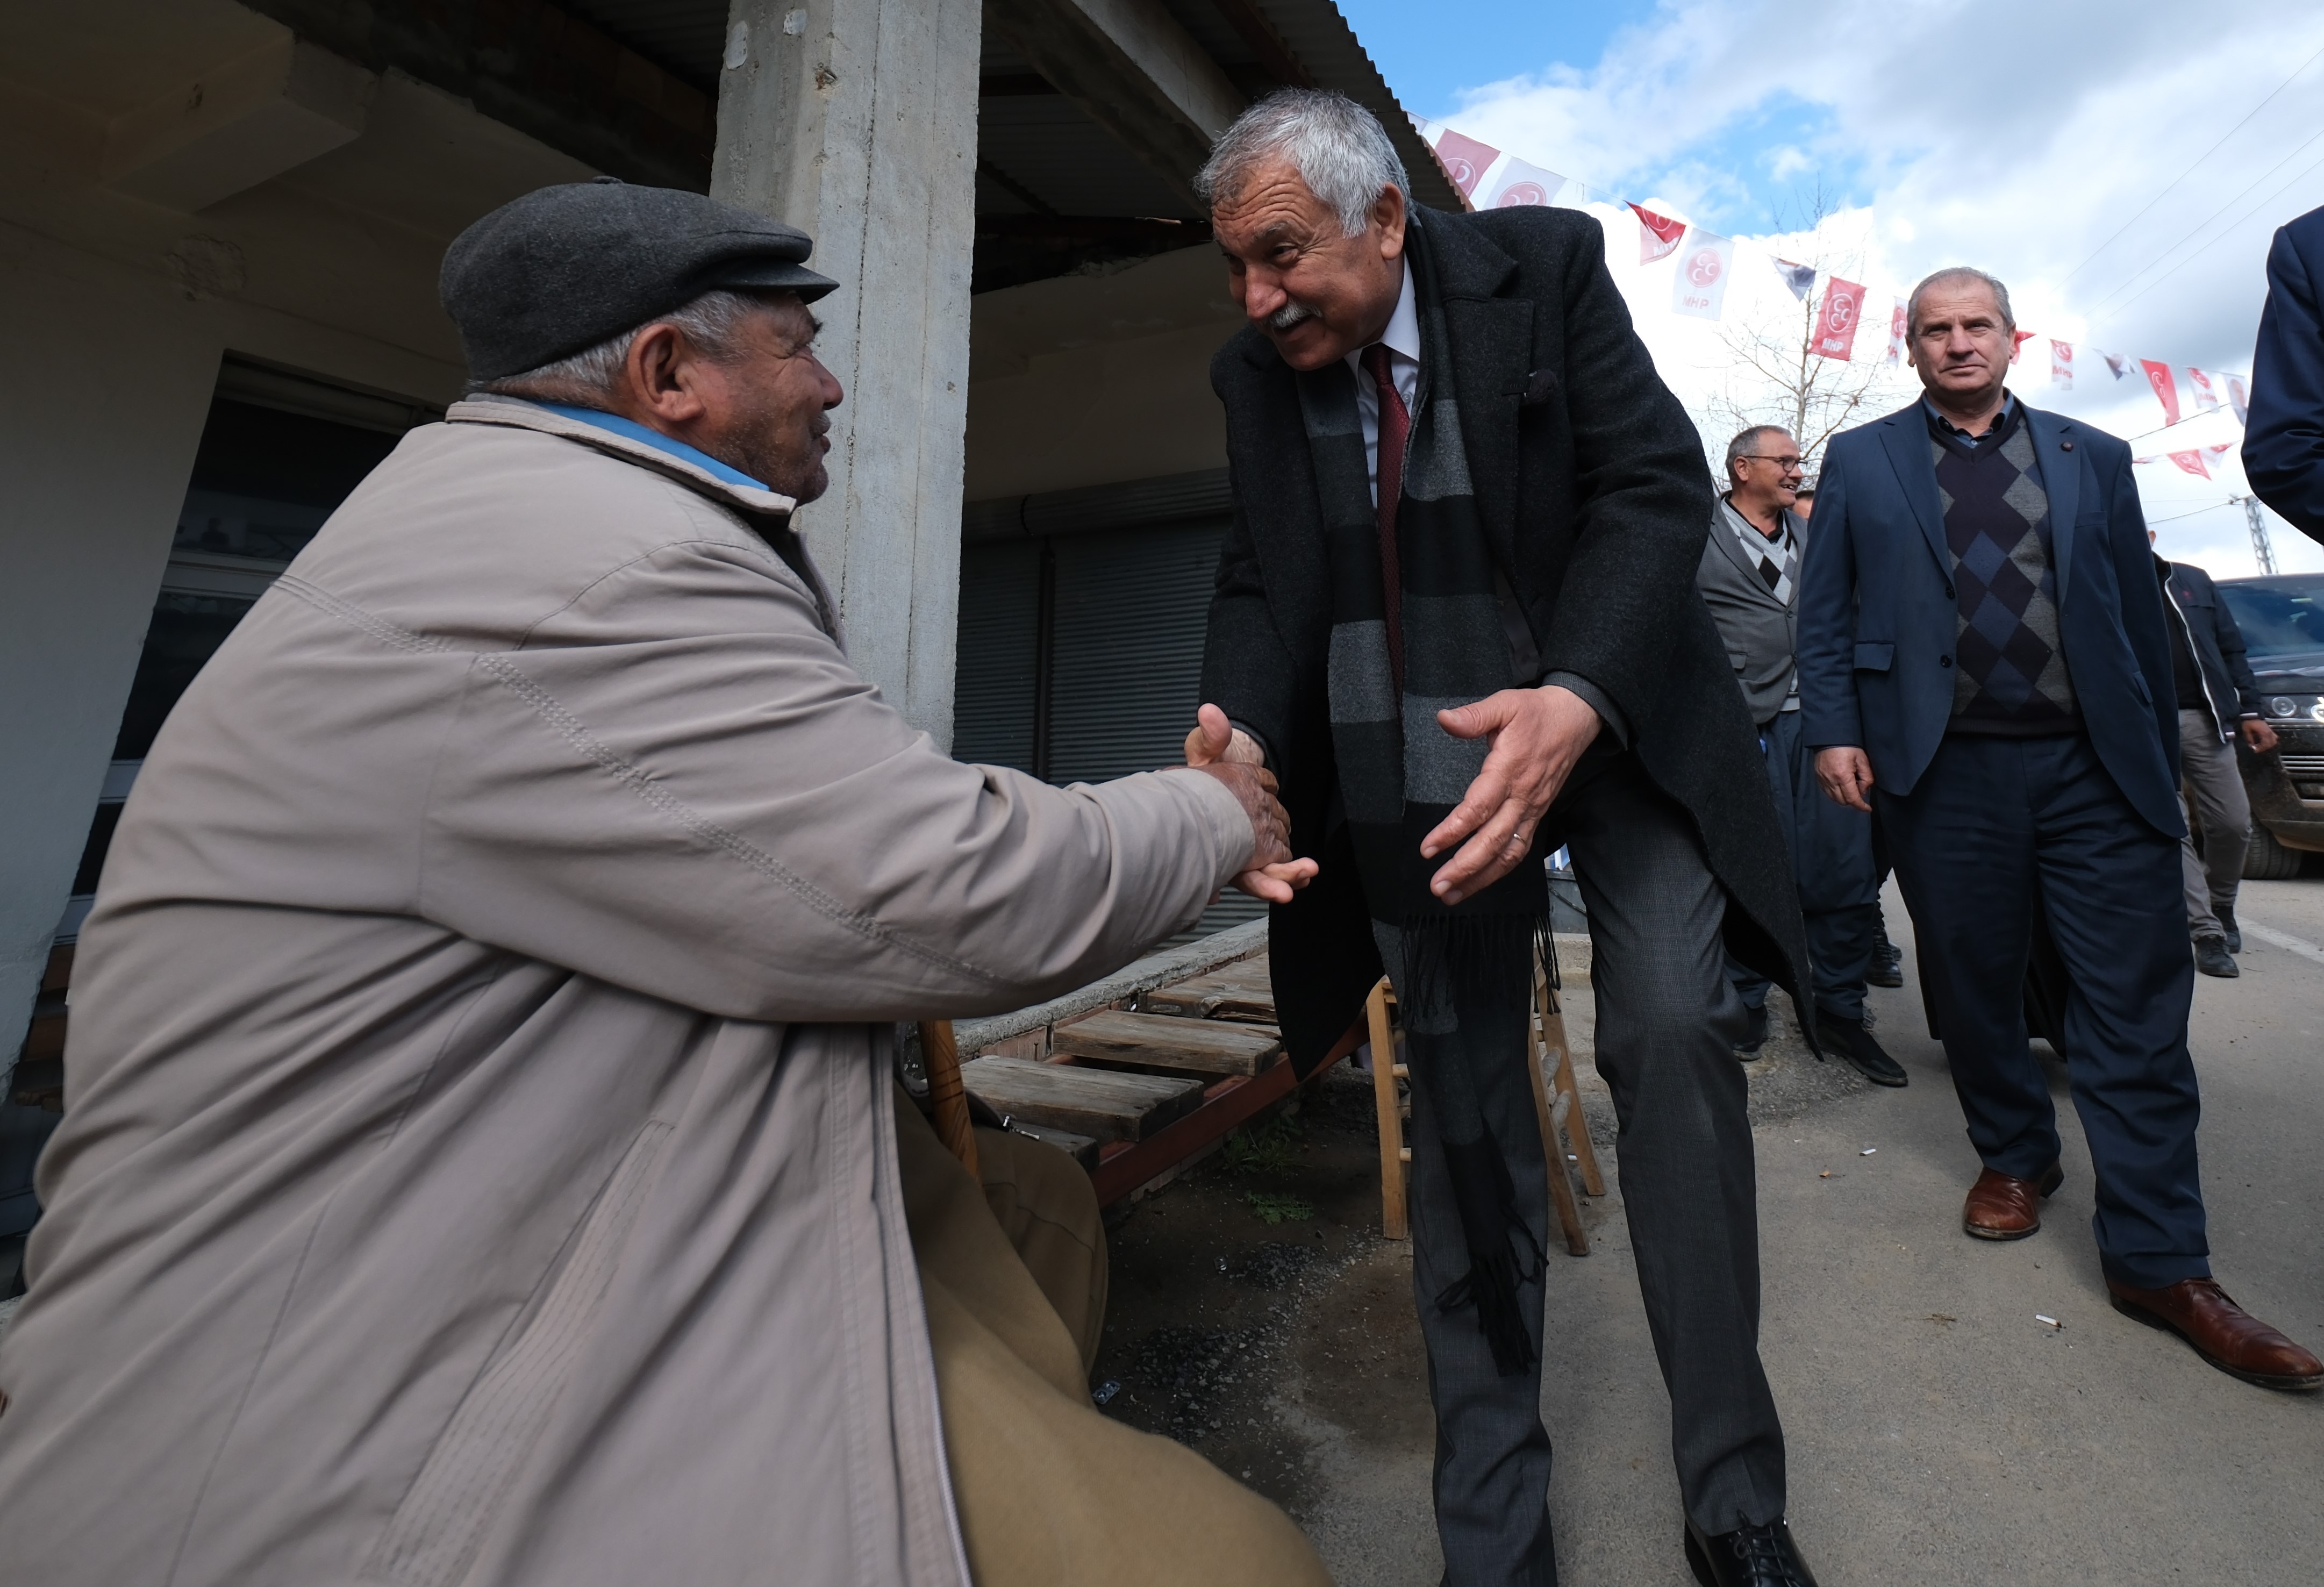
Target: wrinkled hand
[[2258, 735], [1845, 774], [1228, 754], [1537, 734], [1215, 738]]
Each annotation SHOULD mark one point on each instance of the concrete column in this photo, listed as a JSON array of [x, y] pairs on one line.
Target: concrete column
[[95, 451], [856, 120]]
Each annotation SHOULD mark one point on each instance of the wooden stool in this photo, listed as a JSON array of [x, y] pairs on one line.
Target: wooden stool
[[1549, 1051]]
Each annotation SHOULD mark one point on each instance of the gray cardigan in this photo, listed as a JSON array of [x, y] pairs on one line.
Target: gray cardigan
[[1760, 633]]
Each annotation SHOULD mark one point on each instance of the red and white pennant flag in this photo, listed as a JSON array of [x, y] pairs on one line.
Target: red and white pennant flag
[[1699, 287], [1490, 178], [1518, 184], [1658, 234], [1465, 160], [2166, 388], [1835, 326]]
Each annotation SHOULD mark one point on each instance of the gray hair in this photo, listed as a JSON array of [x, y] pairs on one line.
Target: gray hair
[[1339, 148], [1957, 272], [1741, 447], [712, 323]]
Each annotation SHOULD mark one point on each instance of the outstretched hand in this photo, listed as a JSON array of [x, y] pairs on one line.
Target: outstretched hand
[[1228, 754], [1537, 734]]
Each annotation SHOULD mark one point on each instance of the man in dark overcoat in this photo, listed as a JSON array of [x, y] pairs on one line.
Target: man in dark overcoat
[[1456, 616]]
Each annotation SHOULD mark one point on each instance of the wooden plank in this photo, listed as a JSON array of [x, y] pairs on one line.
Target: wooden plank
[[1392, 1151], [1123, 1168], [1082, 1148], [1553, 1150], [1101, 1104], [1159, 1041], [1241, 991]]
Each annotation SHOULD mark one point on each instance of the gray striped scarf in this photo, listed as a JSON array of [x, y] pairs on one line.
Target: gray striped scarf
[[1463, 973]]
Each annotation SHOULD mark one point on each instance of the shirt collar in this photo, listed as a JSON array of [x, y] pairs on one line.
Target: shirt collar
[[630, 429], [1744, 526], [2000, 418], [1403, 333]]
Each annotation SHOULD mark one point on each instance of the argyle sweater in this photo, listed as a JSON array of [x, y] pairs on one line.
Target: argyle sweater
[[2009, 676]]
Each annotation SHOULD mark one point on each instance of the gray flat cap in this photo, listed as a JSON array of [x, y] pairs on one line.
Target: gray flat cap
[[563, 268]]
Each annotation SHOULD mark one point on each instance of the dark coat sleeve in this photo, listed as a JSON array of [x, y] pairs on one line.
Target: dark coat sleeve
[[2231, 650], [1247, 669], [2284, 444], [2143, 621], [1642, 500], [1826, 641]]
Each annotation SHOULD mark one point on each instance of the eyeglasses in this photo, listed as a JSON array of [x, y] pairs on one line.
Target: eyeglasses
[[1788, 464]]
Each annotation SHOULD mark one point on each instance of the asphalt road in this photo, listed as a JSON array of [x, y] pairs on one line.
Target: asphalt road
[[1938, 1432]]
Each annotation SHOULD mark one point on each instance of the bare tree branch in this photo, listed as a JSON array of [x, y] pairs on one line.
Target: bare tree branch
[[1772, 374]]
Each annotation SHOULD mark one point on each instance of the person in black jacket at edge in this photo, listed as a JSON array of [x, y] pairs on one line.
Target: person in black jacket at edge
[[2284, 442], [1456, 616], [2218, 700]]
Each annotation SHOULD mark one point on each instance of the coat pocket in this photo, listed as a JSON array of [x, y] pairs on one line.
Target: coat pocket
[[1874, 655], [435, 1534]]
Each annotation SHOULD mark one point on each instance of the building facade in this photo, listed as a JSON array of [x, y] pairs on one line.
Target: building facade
[[220, 227]]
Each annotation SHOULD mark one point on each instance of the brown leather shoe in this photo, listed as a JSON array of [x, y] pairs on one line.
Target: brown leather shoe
[[2001, 1208], [2222, 1332]]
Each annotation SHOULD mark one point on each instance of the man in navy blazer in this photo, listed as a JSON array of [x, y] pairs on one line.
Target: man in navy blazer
[[2283, 445], [1982, 653]]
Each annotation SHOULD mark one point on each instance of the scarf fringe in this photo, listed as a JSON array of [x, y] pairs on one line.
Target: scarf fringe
[[1491, 1286], [1461, 959]]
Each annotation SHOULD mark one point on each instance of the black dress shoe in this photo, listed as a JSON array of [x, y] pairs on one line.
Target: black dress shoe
[[1866, 1056], [1755, 1032], [2235, 933], [1749, 1556], [2212, 957], [1886, 968]]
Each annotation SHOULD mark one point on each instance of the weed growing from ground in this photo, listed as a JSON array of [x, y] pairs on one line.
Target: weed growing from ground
[[1271, 1208]]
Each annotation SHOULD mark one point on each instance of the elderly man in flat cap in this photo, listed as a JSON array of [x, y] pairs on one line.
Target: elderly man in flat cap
[[482, 1163]]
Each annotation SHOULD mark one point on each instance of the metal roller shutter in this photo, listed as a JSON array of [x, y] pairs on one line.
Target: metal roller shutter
[[1113, 648], [1131, 607], [996, 676]]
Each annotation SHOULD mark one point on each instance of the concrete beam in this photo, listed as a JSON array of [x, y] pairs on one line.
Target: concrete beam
[[529, 65], [1134, 70], [88, 519], [235, 126], [856, 120]]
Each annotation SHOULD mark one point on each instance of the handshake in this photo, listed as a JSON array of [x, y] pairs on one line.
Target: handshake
[[1535, 737], [1214, 747]]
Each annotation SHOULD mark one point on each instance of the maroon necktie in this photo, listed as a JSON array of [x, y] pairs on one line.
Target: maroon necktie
[[1394, 426]]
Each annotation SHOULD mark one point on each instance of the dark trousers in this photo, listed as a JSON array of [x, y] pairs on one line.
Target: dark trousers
[[1996, 828], [1832, 862], [1667, 1019]]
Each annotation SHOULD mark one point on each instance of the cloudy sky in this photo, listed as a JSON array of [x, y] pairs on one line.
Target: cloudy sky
[[2121, 163]]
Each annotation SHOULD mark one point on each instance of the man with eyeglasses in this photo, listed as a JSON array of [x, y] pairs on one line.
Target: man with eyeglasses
[[1749, 576]]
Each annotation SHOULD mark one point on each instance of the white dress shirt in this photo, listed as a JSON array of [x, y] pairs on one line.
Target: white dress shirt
[[1402, 339]]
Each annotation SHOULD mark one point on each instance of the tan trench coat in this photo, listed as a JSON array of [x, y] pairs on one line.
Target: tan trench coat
[[478, 1164]]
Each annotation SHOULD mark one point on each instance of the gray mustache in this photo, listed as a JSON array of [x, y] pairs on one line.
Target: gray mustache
[[1289, 315]]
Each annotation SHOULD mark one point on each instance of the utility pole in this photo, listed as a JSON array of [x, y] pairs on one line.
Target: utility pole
[[2262, 552]]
